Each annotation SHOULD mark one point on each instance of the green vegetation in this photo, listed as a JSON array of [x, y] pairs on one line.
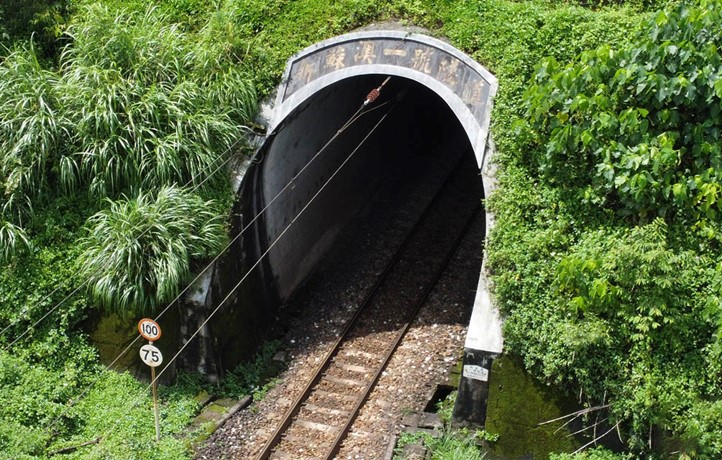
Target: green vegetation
[[605, 257], [518, 404], [136, 106], [42, 20], [254, 377], [112, 155], [598, 453], [637, 129], [607, 261], [36, 418], [137, 252], [452, 443]]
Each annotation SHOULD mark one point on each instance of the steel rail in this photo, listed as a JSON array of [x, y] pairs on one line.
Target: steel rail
[[327, 359], [400, 335]]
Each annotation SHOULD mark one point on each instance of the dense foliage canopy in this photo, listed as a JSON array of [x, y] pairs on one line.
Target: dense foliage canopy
[[619, 159], [638, 129]]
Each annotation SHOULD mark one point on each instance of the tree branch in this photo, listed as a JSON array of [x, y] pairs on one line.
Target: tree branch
[[594, 441], [576, 414], [67, 450]]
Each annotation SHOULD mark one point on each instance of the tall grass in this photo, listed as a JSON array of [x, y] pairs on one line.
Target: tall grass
[[138, 251], [32, 130], [135, 105], [145, 48], [151, 105], [13, 240]]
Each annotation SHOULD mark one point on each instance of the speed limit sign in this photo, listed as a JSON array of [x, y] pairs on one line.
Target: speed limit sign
[[151, 355], [149, 329]]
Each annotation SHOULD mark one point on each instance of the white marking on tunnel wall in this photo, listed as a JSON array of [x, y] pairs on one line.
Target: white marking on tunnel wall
[[466, 86], [476, 372]]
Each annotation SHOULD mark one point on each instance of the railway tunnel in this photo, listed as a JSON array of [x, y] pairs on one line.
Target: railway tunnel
[[323, 163]]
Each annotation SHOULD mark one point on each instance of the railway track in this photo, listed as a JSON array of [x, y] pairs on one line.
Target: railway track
[[321, 416]]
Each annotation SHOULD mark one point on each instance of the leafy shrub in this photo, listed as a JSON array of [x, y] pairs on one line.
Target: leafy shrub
[[598, 453], [452, 443], [701, 430], [42, 21], [254, 377], [638, 130], [655, 304], [37, 417], [605, 257], [34, 283], [636, 4], [630, 319], [120, 409]]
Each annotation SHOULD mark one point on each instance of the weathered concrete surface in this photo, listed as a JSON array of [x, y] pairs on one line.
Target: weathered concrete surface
[[463, 83], [485, 324], [484, 340], [294, 256]]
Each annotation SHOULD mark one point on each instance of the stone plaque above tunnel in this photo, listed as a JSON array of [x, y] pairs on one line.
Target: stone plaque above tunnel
[[463, 83], [468, 84]]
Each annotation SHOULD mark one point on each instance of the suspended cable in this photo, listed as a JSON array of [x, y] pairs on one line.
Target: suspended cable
[[370, 98], [275, 241], [358, 114], [250, 270]]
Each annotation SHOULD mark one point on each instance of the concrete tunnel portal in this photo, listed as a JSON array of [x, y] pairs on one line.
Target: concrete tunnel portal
[[407, 121], [436, 101]]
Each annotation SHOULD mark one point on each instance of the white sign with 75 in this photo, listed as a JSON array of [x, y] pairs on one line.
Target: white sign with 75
[[151, 355]]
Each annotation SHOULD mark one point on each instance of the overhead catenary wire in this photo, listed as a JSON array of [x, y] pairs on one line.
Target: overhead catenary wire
[[357, 115], [263, 210], [354, 117], [370, 98], [249, 271], [262, 256]]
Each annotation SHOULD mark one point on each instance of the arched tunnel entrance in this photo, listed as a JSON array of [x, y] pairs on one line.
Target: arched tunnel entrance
[[325, 163], [406, 123]]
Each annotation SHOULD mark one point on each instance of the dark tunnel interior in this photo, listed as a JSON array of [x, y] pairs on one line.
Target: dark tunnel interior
[[409, 134], [406, 123]]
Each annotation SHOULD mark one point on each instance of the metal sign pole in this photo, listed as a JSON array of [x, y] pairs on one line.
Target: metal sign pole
[[150, 330], [155, 402]]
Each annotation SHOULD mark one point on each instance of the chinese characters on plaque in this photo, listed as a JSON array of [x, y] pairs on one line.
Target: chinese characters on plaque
[[434, 62]]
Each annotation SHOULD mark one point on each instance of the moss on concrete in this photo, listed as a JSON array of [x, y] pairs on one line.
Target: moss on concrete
[[517, 404], [110, 334]]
